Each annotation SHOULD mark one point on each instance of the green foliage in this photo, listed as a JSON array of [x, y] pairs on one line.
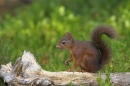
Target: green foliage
[[106, 82], [38, 27], [70, 84], [5, 50]]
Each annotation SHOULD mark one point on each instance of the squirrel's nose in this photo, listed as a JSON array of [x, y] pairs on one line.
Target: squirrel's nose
[[57, 46]]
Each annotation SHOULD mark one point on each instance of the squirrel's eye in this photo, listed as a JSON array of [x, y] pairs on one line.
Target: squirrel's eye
[[63, 42]]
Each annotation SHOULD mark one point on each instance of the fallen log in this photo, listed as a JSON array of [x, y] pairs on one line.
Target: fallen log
[[27, 72]]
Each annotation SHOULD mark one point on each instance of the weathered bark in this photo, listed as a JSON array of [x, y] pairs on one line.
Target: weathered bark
[[27, 72]]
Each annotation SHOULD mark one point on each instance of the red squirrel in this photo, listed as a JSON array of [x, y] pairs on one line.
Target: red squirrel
[[92, 55]]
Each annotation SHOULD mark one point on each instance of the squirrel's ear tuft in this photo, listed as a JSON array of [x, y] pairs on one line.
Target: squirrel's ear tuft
[[69, 35]]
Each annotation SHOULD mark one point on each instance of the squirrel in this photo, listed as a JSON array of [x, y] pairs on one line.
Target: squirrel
[[92, 55]]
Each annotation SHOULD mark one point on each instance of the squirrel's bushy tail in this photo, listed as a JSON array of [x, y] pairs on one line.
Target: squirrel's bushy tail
[[100, 44]]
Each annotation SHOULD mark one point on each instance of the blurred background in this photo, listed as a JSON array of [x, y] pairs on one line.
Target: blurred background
[[38, 25], [9, 5]]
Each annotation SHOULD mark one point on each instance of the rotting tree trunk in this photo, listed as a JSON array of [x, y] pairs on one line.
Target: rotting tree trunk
[[27, 72]]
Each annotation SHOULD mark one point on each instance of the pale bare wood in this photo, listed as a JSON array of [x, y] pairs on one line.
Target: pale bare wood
[[27, 72]]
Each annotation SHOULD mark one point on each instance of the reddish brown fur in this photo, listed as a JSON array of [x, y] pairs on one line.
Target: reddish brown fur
[[89, 56]]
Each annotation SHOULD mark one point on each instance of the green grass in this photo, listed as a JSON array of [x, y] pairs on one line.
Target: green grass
[[38, 27]]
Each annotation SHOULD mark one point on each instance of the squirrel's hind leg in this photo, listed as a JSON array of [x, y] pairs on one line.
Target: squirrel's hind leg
[[81, 69]]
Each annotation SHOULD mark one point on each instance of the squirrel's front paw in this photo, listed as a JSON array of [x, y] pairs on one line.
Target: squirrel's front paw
[[70, 70], [67, 63]]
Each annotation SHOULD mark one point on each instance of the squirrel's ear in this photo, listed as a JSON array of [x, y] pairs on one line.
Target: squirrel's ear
[[69, 35]]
